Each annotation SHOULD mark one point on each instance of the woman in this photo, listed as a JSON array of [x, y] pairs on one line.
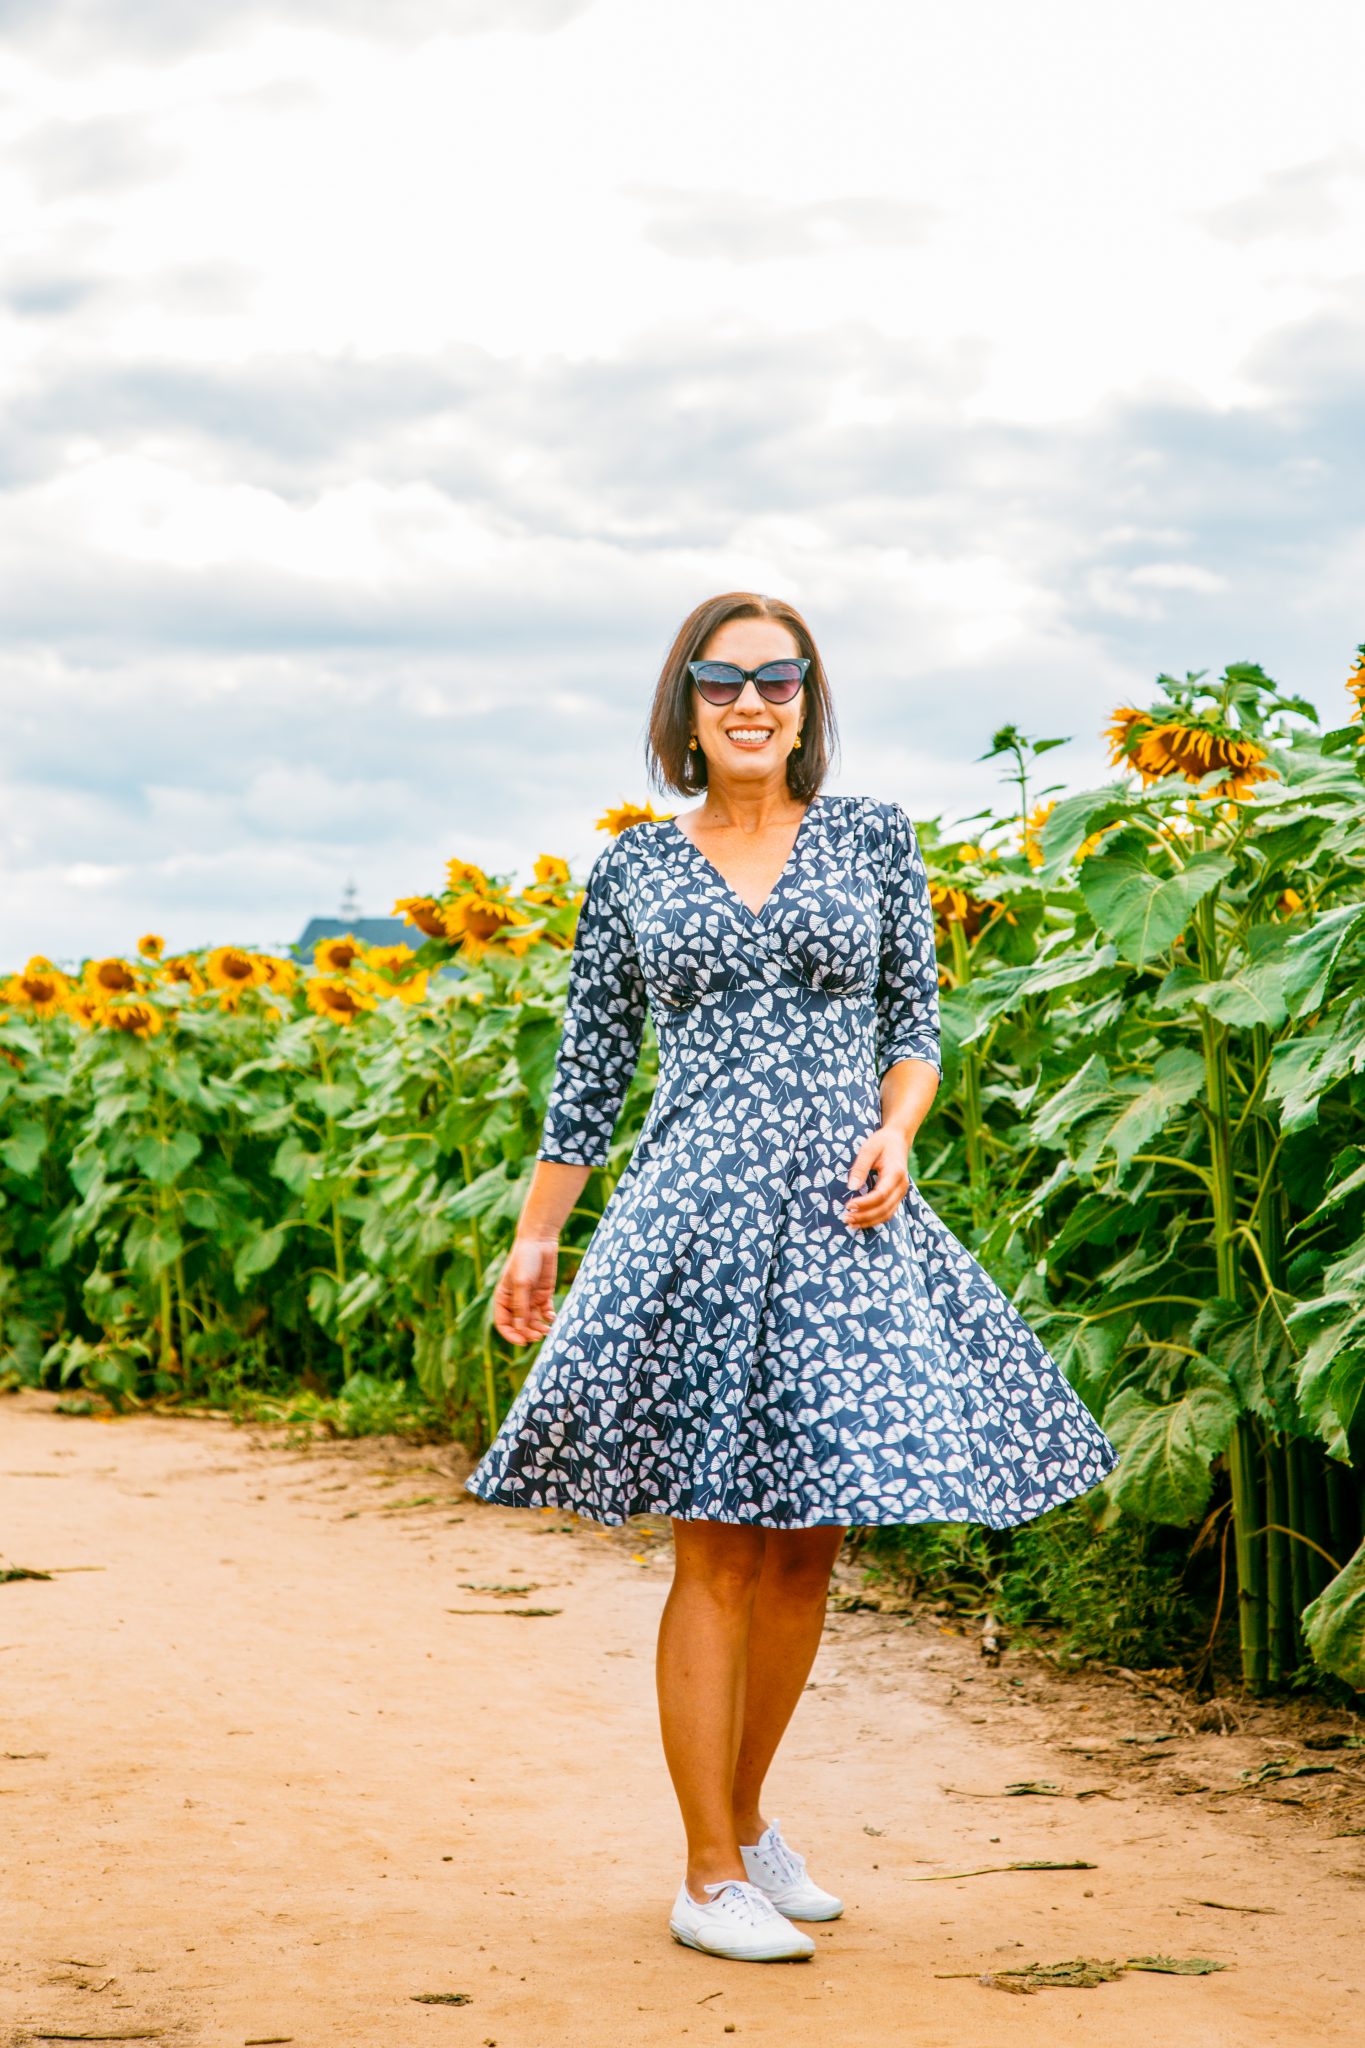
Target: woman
[[771, 1337]]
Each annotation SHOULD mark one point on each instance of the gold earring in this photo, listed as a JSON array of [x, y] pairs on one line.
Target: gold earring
[[692, 744], [797, 741]]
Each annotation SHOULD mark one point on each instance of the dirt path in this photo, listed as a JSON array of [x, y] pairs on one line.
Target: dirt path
[[245, 1702]]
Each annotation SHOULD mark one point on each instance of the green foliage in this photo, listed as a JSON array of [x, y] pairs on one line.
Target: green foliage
[[1115, 1595], [255, 1200], [1334, 1623], [1154, 1136], [1168, 1446], [1152, 1131]]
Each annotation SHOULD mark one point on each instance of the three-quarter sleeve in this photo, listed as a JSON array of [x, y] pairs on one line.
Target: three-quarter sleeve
[[907, 987], [604, 1017]]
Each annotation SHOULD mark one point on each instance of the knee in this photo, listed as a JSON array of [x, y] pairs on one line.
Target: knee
[[798, 1563], [726, 1571]]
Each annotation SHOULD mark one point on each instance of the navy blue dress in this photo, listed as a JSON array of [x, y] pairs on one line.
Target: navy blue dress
[[730, 1349]]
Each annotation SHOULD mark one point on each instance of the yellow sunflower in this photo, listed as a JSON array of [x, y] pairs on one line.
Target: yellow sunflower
[[462, 874], [423, 911], [952, 905], [41, 988], [152, 944], [521, 941], [340, 955], [412, 990], [232, 971], [342, 1001], [1355, 683], [1190, 747], [134, 1015], [551, 871], [390, 959], [180, 968], [1033, 832], [616, 821], [278, 974], [83, 1008], [477, 922], [392, 973], [1091, 842], [113, 977]]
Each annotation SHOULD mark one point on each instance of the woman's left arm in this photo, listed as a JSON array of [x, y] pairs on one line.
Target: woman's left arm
[[908, 1058]]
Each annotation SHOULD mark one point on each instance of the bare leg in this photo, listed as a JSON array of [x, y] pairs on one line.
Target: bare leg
[[784, 1634], [702, 1659]]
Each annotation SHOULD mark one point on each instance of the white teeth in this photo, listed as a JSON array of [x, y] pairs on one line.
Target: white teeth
[[746, 732]]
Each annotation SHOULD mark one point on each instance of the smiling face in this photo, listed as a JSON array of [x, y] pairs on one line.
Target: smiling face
[[748, 741]]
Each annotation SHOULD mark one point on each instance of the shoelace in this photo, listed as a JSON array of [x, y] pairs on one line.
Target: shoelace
[[784, 1862], [738, 1896]]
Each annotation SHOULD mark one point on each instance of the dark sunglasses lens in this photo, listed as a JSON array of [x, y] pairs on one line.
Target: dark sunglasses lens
[[779, 680], [719, 681]]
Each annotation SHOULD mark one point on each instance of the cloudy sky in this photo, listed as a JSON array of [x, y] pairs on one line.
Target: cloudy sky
[[383, 383]]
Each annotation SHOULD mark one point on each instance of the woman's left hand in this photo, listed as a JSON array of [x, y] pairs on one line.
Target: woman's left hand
[[883, 1153]]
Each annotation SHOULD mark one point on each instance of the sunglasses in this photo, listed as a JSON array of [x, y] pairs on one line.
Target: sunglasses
[[720, 682]]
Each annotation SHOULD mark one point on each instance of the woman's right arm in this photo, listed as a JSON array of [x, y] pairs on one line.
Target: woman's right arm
[[599, 1048], [524, 1299]]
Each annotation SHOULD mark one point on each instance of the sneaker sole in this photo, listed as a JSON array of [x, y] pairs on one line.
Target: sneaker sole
[[738, 1955], [791, 1913]]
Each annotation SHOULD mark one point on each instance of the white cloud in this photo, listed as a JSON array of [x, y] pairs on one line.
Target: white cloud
[[385, 383], [1293, 203], [744, 228]]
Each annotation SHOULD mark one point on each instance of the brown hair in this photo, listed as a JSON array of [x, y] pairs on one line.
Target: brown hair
[[671, 763]]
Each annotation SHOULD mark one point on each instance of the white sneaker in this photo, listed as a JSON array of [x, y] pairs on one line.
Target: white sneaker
[[739, 1921], [780, 1874]]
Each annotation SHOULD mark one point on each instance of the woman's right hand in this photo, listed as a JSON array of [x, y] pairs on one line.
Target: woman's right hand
[[524, 1298]]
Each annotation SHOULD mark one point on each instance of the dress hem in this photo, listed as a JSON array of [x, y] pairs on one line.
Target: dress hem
[[1011, 1520]]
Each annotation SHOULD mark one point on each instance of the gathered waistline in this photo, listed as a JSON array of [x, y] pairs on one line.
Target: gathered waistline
[[773, 994]]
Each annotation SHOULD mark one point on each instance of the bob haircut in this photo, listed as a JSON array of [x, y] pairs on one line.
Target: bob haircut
[[671, 763]]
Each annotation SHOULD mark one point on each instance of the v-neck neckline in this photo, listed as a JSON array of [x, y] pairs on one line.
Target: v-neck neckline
[[755, 916]]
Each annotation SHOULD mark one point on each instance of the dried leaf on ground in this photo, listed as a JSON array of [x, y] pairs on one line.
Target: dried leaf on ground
[[984, 1869], [522, 1613], [1177, 1966], [1282, 1767], [1082, 1973], [1224, 1907]]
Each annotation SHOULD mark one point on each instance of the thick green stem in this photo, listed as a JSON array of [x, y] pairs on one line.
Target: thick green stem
[[971, 1091], [1269, 1219], [338, 1235], [167, 1359], [1300, 1556], [166, 1345], [1279, 1587], [490, 1384], [1242, 1451], [182, 1304], [1251, 1587], [1315, 1521]]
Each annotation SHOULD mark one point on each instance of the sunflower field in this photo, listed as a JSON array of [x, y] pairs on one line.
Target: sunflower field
[[222, 1172]]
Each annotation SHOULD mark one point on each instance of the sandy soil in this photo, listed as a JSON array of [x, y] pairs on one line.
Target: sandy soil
[[268, 1677]]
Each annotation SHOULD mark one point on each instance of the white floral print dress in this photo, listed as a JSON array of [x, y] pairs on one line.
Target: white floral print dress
[[730, 1350]]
